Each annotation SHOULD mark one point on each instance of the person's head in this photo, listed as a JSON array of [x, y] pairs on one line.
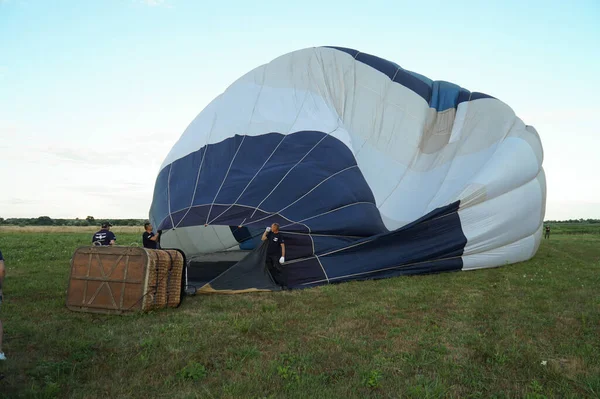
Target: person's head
[[106, 225], [275, 228], [148, 227]]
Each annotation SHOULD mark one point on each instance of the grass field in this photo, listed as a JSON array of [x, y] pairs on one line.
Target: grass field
[[526, 330], [71, 229]]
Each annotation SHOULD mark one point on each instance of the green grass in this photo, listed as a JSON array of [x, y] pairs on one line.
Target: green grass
[[574, 228], [480, 334]]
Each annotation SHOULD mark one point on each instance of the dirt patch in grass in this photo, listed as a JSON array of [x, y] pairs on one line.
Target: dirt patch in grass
[[571, 367]]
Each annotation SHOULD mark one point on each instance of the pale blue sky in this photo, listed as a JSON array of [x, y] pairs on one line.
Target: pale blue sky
[[94, 93]]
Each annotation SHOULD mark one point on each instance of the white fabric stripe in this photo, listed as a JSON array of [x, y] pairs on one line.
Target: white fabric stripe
[[224, 178], [439, 187], [219, 238], [454, 158], [415, 155], [511, 166], [197, 239], [485, 229], [517, 251], [459, 121]]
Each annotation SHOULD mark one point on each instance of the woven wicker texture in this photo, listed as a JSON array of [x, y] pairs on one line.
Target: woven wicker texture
[[165, 269], [120, 280]]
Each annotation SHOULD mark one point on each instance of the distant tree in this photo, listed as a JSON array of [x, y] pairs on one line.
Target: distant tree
[[90, 219], [44, 221]]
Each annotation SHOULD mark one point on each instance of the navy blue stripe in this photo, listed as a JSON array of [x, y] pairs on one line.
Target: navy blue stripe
[[159, 209], [440, 95], [298, 246], [321, 177], [430, 267], [325, 244], [352, 220], [433, 243], [303, 272], [241, 234]]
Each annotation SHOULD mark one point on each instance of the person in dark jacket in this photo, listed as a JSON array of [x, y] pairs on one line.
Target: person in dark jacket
[[149, 239], [104, 236], [275, 253], [546, 232]]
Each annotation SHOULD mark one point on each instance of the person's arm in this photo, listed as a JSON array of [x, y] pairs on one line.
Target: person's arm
[[282, 244], [113, 239], [154, 237], [265, 234]]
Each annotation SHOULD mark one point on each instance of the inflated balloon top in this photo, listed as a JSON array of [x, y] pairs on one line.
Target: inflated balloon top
[[370, 170]]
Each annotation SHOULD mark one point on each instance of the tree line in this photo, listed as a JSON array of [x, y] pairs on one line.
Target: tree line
[[91, 221], [574, 221], [88, 221]]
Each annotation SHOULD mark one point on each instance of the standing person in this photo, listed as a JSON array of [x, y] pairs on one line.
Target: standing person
[[2, 273], [275, 253], [547, 232], [149, 239], [104, 236]]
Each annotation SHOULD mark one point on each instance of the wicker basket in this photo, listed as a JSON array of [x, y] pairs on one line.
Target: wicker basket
[[164, 279], [120, 280]]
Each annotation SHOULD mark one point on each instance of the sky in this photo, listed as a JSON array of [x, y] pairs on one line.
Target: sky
[[94, 93]]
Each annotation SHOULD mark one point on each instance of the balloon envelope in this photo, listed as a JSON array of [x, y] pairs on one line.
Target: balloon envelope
[[370, 170]]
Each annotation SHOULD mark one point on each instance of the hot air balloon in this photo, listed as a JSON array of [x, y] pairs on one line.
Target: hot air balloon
[[371, 171]]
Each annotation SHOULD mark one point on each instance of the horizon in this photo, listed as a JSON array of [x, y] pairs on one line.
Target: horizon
[[96, 93], [100, 220]]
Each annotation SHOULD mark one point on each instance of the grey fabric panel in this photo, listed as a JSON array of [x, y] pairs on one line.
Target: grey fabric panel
[[250, 272]]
